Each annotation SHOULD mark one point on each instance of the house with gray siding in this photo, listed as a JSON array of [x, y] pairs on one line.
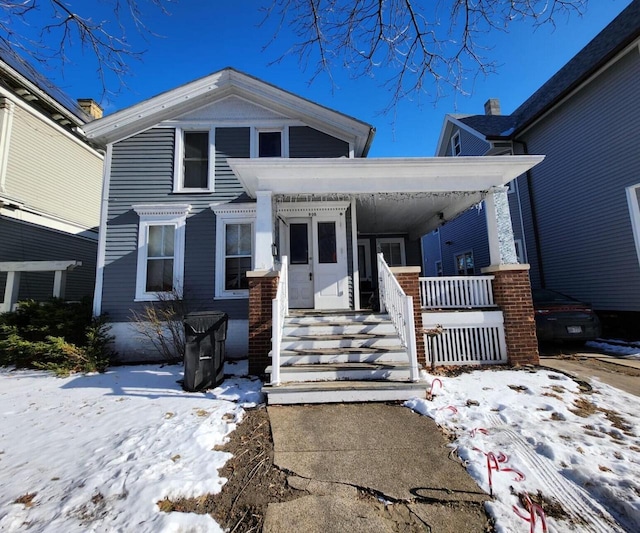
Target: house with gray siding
[[575, 216], [50, 188], [235, 195]]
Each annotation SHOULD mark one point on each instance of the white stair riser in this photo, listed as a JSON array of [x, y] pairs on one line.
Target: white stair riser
[[342, 396], [319, 344], [343, 329], [345, 374], [317, 319], [382, 357]]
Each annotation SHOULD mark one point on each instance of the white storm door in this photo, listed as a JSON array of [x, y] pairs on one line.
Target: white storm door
[[330, 273], [300, 263]]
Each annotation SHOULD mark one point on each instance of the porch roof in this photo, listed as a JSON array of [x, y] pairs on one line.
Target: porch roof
[[431, 190]]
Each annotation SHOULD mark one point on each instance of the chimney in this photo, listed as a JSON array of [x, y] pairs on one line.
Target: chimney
[[90, 107], [492, 106]]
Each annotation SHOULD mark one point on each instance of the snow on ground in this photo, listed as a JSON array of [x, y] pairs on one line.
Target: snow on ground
[[96, 452], [628, 350], [577, 447]]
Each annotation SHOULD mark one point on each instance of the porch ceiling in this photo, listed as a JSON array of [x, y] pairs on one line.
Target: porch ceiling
[[413, 195]]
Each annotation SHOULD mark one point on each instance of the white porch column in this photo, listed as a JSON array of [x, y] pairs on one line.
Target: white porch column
[[11, 291], [502, 248], [264, 231]]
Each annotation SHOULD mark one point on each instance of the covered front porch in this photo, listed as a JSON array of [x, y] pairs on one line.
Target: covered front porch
[[343, 235]]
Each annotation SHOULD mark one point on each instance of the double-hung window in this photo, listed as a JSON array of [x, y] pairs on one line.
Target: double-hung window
[[194, 161], [464, 264], [234, 248], [161, 235], [392, 249], [456, 145], [270, 142]]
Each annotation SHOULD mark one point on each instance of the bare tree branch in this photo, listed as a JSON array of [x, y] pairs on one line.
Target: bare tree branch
[[430, 46], [71, 25]]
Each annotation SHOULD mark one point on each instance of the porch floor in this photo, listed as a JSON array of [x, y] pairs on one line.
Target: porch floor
[[336, 356]]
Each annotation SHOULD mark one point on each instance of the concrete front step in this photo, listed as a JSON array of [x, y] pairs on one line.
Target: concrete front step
[[347, 328], [324, 342], [384, 354], [343, 392], [336, 318], [344, 372]]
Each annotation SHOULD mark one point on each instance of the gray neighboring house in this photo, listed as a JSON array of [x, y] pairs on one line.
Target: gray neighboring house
[[50, 186], [576, 216]]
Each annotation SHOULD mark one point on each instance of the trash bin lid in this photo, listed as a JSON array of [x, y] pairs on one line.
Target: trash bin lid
[[202, 321]]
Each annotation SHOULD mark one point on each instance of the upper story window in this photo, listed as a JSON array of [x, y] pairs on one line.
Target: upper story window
[[161, 236], [194, 162], [270, 144], [456, 147]]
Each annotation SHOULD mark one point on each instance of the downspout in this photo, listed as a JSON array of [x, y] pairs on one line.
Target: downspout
[[534, 216]]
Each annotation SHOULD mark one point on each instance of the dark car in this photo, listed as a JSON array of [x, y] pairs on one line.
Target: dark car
[[562, 318]]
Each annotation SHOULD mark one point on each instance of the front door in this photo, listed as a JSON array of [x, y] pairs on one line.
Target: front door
[[300, 263], [317, 252]]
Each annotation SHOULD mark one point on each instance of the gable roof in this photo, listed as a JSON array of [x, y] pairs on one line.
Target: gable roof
[[604, 47], [219, 85]]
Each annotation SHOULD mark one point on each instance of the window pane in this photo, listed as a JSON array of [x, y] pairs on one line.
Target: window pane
[[196, 144], [299, 244], [269, 144], [236, 273], [159, 275], [245, 239], [238, 239], [392, 252], [196, 174], [161, 239], [327, 242]]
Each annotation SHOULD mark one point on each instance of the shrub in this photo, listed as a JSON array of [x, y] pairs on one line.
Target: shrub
[[58, 336]]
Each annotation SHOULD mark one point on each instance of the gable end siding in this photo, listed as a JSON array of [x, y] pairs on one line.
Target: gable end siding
[[308, 142], [469, 143]]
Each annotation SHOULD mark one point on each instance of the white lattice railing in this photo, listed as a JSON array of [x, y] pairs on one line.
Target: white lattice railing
[[465, 338], [279, 310], [394, 301], [453, 292]]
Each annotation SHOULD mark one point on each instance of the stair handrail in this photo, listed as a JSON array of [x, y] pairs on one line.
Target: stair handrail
[[279, 310], [399, 306]]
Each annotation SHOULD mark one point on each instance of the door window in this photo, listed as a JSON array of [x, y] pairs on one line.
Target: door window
[[299, 244], [327, 242]]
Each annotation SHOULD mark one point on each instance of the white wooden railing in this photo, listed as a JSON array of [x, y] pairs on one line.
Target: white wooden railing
[[459, 292], [394, 301], [279, 310]]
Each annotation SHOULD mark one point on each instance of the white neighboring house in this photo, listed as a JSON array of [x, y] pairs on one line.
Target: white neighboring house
[[50, 186]]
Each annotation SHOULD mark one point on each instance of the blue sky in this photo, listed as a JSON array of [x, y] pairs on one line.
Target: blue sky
[[202, 36]]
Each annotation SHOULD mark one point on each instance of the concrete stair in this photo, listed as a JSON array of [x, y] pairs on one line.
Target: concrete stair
[[341, 357]]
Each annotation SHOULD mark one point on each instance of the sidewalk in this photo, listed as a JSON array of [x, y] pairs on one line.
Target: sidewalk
[[369, 467]]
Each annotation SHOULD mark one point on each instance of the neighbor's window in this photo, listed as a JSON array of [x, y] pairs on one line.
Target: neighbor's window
[[193, 166], [269, 144], [438, 266], [237, 259], [456, 147], [464, 264], [160, 249], [393, 250]]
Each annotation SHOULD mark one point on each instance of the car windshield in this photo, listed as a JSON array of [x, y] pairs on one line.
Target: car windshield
[[543, 295]]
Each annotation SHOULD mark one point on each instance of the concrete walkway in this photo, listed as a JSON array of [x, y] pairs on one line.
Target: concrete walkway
[[342, 454]]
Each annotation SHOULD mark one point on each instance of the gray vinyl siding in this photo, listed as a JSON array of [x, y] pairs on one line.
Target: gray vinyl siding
[[142, 173], [591, 144], [21, 241], [308, 142], [469, 143]]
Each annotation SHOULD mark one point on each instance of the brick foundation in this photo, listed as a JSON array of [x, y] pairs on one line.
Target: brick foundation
[[408, 277], [262, 290], [512, 293]]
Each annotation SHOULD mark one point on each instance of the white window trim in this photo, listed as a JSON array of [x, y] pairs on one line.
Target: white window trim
[[231, 214], [393, 240], [284, 139], [160, 214], [455, 141], [520, 251], [178, 167], [634, 213]]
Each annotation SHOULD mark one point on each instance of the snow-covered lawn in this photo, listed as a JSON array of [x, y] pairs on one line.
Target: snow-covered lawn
[[539, 432], [95, 453]]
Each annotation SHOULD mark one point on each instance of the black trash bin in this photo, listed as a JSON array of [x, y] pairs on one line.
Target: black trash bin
[[205, 336]]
